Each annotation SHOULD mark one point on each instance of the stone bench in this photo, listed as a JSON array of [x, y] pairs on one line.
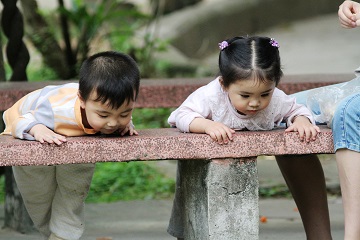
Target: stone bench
[[221, 184]]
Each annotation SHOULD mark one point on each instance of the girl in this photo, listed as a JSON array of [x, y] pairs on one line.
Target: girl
[[245, 97]]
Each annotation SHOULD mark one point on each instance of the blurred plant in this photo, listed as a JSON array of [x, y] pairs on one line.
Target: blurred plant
[[66, 43], [274, 191], [151, 117], [128, 181], [141, 46]]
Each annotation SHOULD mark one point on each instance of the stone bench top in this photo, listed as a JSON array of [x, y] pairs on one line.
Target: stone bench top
[[159, 144]]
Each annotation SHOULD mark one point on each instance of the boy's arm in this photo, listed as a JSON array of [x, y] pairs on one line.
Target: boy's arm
[[28, 113], [130, 129], [19, 126], [43, 134]]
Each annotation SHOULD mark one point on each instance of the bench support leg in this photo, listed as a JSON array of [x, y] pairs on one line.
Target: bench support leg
[[16, 216], [221, 199]]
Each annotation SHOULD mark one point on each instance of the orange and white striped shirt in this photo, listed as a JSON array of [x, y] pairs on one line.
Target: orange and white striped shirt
[[57, 107]]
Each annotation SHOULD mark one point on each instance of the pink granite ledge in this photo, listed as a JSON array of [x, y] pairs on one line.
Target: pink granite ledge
[[171, 92], [158, 144]]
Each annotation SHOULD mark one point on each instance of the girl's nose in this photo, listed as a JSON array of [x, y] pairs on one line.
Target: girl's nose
[[254, 103]]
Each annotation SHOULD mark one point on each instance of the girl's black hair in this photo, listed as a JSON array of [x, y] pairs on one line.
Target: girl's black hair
[[250, 57], [114, 76]]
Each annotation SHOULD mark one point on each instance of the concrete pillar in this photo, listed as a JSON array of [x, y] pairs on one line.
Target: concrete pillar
[[221, 199]]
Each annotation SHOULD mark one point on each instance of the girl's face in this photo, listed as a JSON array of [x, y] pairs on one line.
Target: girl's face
[[102, 118], [249, 96]]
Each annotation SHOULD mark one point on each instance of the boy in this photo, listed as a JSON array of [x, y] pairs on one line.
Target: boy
[[102, 102]]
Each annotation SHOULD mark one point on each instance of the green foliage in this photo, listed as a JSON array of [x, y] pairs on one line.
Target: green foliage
[[128, 181], [151, 117], [37, 74], [142, 50], [274, 191], [117, 23]]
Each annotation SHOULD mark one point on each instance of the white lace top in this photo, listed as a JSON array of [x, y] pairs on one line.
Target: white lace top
[[212, 102]]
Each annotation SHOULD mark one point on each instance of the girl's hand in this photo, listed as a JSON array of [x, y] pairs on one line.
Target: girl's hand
[[43, 134], [130, 128], [307, 131], [219, 132], [349, 14]]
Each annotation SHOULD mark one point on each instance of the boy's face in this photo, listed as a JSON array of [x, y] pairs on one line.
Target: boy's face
[[249, 96], [102, 118]]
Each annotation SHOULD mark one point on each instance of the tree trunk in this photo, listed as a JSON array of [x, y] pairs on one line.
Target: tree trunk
[[38, 31], [16, 51]]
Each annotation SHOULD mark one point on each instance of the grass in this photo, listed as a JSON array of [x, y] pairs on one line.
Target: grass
[[129, 181], [279, 191]]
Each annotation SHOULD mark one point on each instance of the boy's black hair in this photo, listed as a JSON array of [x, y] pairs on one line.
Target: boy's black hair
[[114, 76], [250, 57]]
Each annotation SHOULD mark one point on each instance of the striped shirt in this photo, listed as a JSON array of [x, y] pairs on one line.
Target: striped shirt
[[56, 107]]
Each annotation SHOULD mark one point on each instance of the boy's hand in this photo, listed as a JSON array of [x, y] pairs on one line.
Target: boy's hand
[[307, 131], [130, 128], [43, 134], [219, 132]]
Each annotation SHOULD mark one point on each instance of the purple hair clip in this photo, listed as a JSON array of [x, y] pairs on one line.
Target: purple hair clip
[[223, 45], [274, 43]]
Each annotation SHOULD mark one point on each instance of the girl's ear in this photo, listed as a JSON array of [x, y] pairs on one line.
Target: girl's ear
[[221, 80], [82, 101]]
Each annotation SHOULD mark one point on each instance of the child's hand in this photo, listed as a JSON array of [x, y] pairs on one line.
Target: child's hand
[[43, 134], [130, 128], [219, 132], [349, 14], [307, 131]]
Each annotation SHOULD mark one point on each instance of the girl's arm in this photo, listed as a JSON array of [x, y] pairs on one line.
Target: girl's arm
[[195, 115], [298, 117], [219, 132], [307, 131], [195, 106]]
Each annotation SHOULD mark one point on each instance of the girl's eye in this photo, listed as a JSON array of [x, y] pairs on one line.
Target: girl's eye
[[265, 95], [244, 96]]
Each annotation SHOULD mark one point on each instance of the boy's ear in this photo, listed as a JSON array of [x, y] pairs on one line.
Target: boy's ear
[[82, 101]]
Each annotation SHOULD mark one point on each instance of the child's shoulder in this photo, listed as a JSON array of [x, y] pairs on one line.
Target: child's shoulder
[[211, 88], [278, 93], [63, 87]]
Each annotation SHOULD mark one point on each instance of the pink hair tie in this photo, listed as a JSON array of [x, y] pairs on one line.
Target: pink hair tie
[[223, 45], [274, 43]]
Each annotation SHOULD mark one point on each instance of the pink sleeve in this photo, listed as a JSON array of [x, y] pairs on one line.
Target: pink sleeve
[[195, 106], [290, 109]]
